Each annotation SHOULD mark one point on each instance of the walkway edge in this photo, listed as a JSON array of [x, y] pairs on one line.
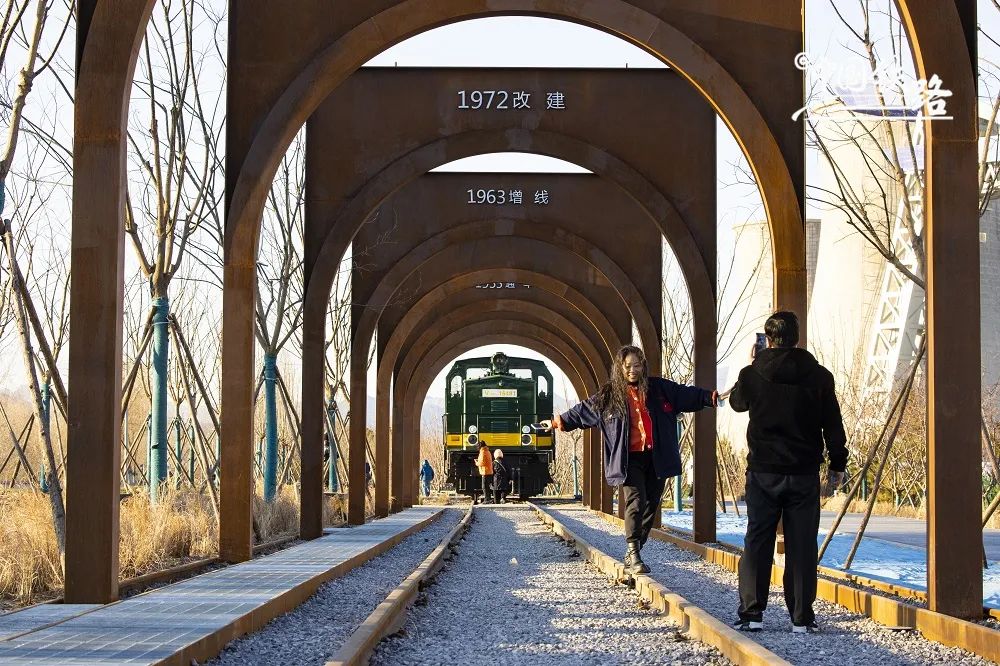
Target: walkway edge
[[210, 646], [698, 623], [895, 589], [391, 613], [937, 627]]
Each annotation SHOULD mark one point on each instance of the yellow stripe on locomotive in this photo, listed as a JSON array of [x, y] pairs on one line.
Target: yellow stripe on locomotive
[[499, 439]]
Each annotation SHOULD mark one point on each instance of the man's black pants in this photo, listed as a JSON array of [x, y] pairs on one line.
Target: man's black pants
[[643, 492], [487, 489], [793, 498]]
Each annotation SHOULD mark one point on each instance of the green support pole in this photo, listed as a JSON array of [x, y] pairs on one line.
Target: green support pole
[[158, 387], [270, 427], [43, 478], [149, 446], [179, 465], [191, 452], [331, 451], [46, 403]]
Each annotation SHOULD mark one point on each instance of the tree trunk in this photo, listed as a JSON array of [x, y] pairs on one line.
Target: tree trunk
[[55, 486], [158, 387]]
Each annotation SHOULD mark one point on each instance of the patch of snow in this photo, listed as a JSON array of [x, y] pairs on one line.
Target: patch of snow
[[876, 558]]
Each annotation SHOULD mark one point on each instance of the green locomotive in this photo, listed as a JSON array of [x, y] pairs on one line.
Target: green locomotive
[[498, 409]]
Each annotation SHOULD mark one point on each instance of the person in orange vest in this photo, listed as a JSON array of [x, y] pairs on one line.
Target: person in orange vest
[[485, 464]]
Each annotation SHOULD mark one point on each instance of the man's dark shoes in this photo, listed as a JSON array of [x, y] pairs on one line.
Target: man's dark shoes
[[633, 563], [811, 628], [748, 625]]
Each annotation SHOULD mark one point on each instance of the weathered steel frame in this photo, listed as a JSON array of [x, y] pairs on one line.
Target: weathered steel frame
[[281, 70]]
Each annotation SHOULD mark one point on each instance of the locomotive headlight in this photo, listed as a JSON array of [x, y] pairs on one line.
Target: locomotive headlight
[[526, 439], [526, 429], [473, 439], [473, 429]]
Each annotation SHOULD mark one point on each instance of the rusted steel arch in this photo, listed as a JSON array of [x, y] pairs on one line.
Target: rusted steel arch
[[513, 309], [486, 332], [311, 489], [456, 310], [338, 60], [409, 431], [425, 158], [561, 275], [417, 313], [106, 57], [942, 38], [272, 136], [523, 309], [474, 297], [445, 340], [935, 29], [443, 254]]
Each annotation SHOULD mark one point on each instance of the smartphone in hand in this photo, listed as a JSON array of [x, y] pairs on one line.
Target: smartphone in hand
[[759, 344]]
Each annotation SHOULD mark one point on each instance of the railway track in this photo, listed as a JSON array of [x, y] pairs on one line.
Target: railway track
[[847, 637], [542, 585]]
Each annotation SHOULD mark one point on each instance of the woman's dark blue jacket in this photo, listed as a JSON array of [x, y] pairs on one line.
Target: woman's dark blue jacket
[[664, 400]]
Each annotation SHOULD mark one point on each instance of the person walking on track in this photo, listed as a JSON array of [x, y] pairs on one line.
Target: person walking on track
[[637, 415], [426, 476]]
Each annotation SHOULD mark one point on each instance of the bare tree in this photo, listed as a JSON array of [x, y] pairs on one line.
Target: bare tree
[[175, 189], [21, 36], [279, 294], [874, 153]]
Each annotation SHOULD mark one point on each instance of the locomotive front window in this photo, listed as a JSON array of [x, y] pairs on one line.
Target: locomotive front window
[[456, 385]]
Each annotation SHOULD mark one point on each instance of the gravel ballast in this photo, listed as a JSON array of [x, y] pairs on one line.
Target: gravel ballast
[[846, 638], [313, 632], [515, 594]]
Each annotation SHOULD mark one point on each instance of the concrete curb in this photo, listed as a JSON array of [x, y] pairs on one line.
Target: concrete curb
[[389, 615], [698, 623]]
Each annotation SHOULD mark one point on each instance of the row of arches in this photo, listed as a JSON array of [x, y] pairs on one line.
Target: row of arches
[[738, 58]]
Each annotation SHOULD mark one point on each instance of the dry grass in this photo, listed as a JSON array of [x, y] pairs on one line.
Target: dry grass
[[29, 557], [334, 510], [180, 528], [881, 508], [889, 509], [280, 518]]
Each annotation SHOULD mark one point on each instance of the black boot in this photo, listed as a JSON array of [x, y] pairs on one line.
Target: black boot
[[633, 562]]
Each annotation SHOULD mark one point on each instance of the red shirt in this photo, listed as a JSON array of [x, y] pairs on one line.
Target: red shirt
[[640, 425]]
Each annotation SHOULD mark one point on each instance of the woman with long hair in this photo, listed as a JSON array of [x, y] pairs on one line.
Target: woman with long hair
[[637, 415]]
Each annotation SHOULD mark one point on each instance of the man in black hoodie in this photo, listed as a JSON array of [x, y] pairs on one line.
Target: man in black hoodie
[[793, 410]]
